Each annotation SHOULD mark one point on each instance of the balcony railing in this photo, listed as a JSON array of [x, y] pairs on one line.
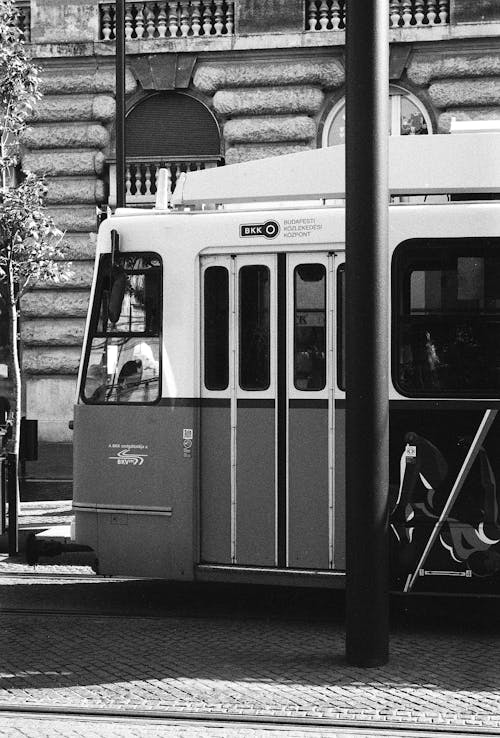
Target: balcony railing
[[141, 176], [329, 15], [177, 19]]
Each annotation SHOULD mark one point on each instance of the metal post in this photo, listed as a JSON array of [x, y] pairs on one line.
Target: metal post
[[367, 346], [120, 103], [3, 493], [13, 534]]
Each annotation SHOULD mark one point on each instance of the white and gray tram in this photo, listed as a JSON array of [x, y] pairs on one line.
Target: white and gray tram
[[209, 422]]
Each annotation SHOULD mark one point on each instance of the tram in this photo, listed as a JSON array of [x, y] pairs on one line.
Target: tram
[[209, 422]]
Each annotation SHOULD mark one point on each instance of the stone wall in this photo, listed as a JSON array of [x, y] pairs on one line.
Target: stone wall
[[463, 85], [268, 108], [67, 142]]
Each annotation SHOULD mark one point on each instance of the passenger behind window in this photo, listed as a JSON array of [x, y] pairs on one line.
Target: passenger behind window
[[426, 362], [96, 383], [150, 366], [130, 387]]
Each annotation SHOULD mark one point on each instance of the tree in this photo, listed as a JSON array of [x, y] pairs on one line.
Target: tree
[[30, 243]]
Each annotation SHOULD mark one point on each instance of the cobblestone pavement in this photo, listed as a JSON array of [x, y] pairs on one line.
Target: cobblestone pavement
[[45, 514], [196, 660], [16, 726], [245, 667]]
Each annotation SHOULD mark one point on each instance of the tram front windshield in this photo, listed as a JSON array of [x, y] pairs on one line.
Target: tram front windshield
[[123, 353]]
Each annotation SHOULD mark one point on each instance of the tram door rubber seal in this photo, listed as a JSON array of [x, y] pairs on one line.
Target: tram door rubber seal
[[282, 395]]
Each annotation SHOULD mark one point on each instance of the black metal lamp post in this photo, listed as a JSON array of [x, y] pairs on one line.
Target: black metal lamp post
[[120, 103], [367, 347]]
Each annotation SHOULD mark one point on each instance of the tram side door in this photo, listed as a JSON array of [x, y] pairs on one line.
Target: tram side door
[[266, 420]]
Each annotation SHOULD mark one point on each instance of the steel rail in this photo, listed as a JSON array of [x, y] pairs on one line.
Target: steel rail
[[355, 727]]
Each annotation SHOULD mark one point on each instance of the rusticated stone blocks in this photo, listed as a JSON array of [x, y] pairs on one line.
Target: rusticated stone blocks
[[51, 360], [465, 92], [75, 108], [249, 152], [57, 332], [422, 70], [84, 81], [209, 78], [276, 128], [77, 219], [71, 190], [64, 162], [65, 135], [55, 303], [444, 120], [268, 101]]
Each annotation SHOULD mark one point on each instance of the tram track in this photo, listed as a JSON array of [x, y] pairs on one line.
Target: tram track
[[224, 721]]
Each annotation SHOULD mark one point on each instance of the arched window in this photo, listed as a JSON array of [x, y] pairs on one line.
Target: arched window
[[166, 130], [407, 117]]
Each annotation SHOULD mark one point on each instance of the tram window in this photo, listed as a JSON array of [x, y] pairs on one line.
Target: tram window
[[448, 321], [123, 364], [216, 328], [254, 334], [309, 334]]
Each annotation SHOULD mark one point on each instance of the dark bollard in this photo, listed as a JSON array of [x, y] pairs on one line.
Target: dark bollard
[[12, 500], [3, 493]]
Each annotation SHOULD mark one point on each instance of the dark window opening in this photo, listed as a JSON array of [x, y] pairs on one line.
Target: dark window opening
[[255, 334], [309, 327], [447, 317], [216, 328]]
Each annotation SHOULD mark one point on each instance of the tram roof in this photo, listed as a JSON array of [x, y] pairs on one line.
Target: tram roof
[[434, 164]]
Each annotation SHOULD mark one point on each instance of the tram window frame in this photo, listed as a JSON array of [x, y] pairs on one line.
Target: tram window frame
[[244, 351], [309, 354], [130, 377], [473, 329], [219, 345]]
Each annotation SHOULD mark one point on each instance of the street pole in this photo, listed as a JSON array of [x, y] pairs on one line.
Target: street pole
[[13, 531], [367, 321], [120, 103]]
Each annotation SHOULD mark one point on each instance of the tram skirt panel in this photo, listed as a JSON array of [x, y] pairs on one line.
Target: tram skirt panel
[[255, 487], [308, 529], [215, 475]]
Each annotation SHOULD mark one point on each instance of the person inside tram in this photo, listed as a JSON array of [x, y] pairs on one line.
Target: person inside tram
[[95, 383], [426, 361], [150, 366], [130, 387]]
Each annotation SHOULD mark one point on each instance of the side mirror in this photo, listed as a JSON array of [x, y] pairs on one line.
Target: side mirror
[[117, 291]]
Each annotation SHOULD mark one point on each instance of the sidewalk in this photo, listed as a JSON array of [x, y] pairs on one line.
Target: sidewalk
[[185, 659]]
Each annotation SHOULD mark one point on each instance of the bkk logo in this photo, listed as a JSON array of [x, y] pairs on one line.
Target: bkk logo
[[269, 229]]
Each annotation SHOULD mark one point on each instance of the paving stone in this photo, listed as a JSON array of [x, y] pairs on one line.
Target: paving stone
[[443, 676]]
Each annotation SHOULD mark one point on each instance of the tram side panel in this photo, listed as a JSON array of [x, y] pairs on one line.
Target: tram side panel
[[255, 484], [133, 489], [308, 492], [215, 476]]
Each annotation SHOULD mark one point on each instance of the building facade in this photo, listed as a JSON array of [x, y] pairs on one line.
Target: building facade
[[211, 82]]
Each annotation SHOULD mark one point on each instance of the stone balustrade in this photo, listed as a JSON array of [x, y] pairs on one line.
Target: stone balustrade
[[141, 177], [330, 15], [177, 19]]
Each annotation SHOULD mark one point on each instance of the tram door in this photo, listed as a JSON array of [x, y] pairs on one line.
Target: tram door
[[266, 420]]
